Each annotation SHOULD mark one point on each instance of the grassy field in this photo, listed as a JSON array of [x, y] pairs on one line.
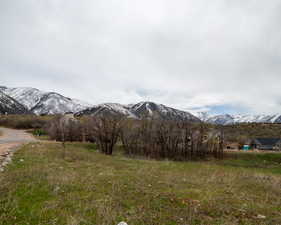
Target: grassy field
[[46, 184]]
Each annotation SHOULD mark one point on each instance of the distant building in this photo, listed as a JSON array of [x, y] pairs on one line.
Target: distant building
[[266, 143], [246, 147], [67, 118]]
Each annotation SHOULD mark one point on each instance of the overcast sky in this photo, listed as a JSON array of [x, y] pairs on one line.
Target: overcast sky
[[219, 55]]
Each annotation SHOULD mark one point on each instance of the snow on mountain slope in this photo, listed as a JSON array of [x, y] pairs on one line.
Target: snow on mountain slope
[[26, 96], [226, 119], [21, 100], [203, 116], [276, 118], [54, 103], [81, 104], [41, 102], [3, 88], [108, 109], [251, 118], [151, 109], [141, 110], [10, 105]]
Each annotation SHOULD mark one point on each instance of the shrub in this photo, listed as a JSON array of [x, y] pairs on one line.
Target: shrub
[[24, 121]]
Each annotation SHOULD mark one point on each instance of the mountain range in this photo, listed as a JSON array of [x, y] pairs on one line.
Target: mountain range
[[227, 119], [27, 100], [140, 110], [43, 103], [32, 100]]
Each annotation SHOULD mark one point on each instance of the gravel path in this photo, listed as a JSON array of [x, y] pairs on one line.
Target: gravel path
[[10, 140], [15, 136]]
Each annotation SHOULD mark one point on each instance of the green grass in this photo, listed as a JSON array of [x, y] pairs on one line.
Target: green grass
[[48, 185], [264, 162], [39, 134]]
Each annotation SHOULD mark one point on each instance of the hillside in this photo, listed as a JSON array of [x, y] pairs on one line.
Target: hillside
[[142, 110], [40, 102], [108, 109], [53, 103], [152, 110], [10, 105]]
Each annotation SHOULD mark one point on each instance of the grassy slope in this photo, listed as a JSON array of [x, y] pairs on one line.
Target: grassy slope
[[46, 185]]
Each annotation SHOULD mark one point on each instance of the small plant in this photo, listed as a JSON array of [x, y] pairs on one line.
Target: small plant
[[39, 132]]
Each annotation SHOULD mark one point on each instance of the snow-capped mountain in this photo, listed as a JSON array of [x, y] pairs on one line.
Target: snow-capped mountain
[[54, 103], [159, 111], [40, 102], [141, 110], [227, 119], [10, 105], [26, 96], [31, 100], [108, 109], [254, 118], [203, 116]]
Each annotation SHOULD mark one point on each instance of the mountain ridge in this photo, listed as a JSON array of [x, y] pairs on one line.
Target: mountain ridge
[[49, 103], [141, 110], [22, 100], [229, 119], [9, 105], [41, 102]]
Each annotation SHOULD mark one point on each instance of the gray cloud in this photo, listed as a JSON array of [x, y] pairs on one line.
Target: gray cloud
[[187, 54]]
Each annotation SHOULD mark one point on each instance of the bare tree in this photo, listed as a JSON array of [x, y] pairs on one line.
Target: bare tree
[[151, 138], [130, 137], [106, 130], [168, 139]]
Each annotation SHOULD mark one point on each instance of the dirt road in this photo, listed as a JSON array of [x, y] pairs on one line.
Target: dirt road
[[11, 139]]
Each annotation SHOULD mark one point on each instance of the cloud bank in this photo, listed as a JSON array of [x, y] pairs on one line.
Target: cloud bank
[[193, 55]]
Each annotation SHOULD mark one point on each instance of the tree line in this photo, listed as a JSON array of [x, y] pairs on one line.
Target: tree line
[[151, 138]]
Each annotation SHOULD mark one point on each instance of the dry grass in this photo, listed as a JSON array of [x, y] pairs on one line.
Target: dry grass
[[47, 185]]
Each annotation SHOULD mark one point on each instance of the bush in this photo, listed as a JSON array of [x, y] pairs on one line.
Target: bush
[[39, 132], [63, 128], [24, 121]]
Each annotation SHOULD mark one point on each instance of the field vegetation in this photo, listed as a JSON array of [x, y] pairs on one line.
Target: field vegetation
[[24, 121], [241, 133], [50, 184], [150, 172]]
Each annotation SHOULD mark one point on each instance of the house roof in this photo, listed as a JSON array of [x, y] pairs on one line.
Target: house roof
[[267, 141]]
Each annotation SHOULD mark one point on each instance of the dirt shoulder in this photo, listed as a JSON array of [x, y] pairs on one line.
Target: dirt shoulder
[[11, 139]]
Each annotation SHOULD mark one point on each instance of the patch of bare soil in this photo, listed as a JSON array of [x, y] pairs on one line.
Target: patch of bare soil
[[10, 140]]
